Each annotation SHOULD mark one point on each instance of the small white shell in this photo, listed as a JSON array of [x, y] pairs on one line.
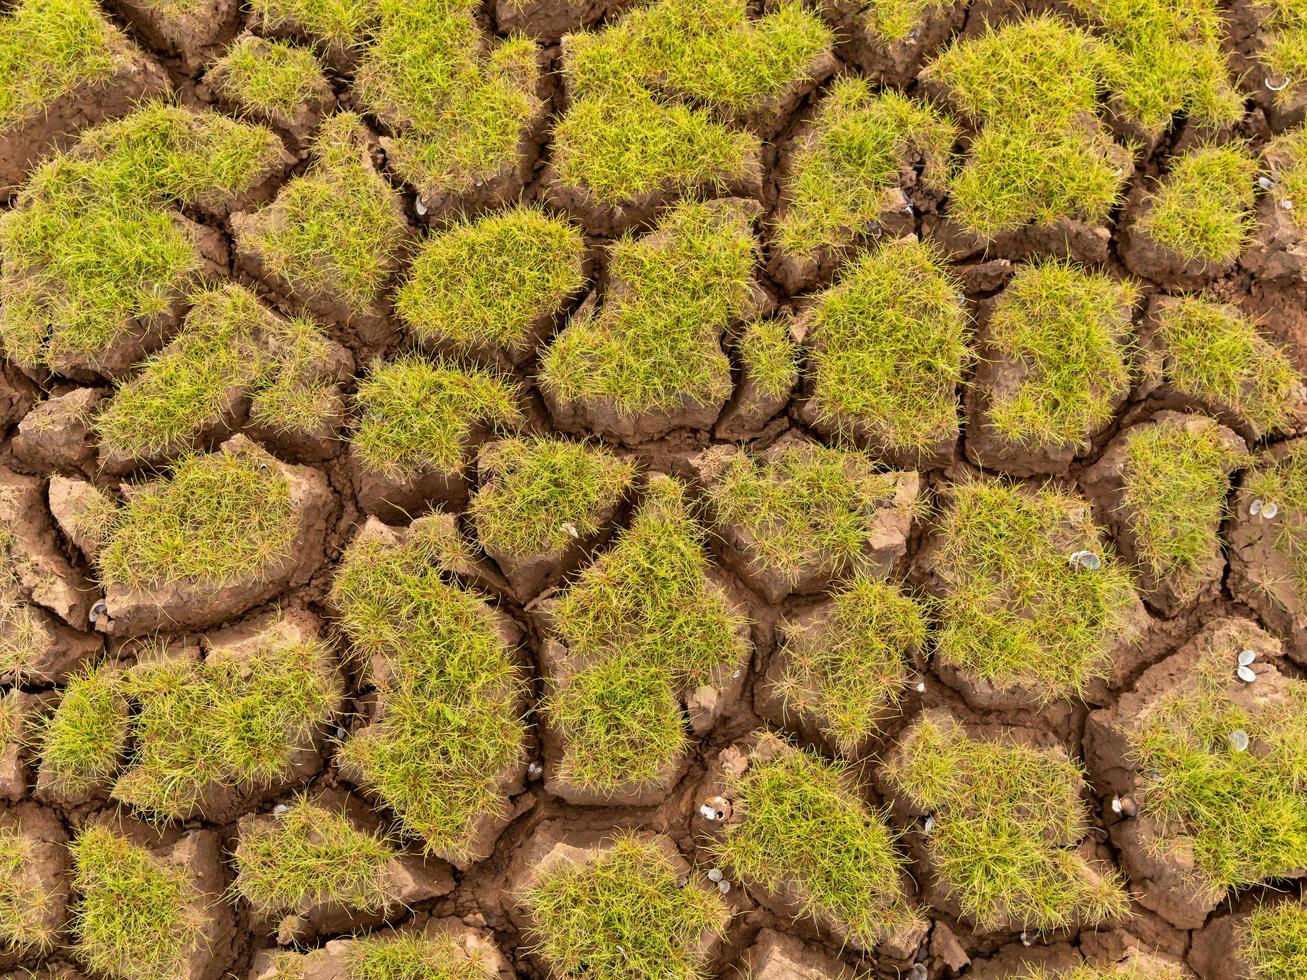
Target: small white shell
[[714, 874], [1270, 510], [1246, 657], [571, 530], [280, 808], [1286, 204], [1025, 939], [1265, 182], [723, 886], [1255, 507], [1086, 560], [929, 826], [921, 687], [1246, 674], [419, 207], [1281, 87], [1239, 740], [534, 770], [1116, 804]]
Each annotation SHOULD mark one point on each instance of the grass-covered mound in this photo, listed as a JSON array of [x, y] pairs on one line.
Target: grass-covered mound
[[333, 238], [444, 950], [1283, 51], [645, 121], [843, 666], [1273, 941], [800, 514], [96, 263], [1135, 965], [1053, 368], [1163, 486], [627, 910], [540, 498], [639, 628], [234, 361], [339, 26], [845, 175], [82, 742], [650, 357], [1211, 355], [805, 838], [888, 39], [463, 111], [418, 421], [445, 743], [1040, 157], [1016, 612], [33, 883], [274, 81], [1005, 827], [493, 285], [887, 349]]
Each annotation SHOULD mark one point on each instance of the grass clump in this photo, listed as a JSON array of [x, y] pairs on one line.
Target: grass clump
[[415, 958], [1283, 480], [1273, 940], [1284, 49], [341, 24], [1008, 818], [1015, 610], [802, 503], [1132, 969], [537, 496], [82, 741], [850, 669], [1287, 154], [1068, 331], [269, 77], [49, 49], [417, 415], [770, 356], [842, 179], [137, 916], [1241, 816], [461, 109], [888, 349], [25, 903], [641, 624], [1216, 355], [490, 282], [215, 518], [91, 246], [337, 229], [895, 21], [1176, 478], [805, 831], [1203, 211], [624, 915], [450, 722], [309, 855], [656, 342]]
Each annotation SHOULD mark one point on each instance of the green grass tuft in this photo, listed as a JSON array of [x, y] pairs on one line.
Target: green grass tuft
[[1203, 210], [841, 182], [137, 917], [888, 348], [1008, 818], [1014, 610], [1289, 150], [414, 958], [1130, 970], [336, 229], [417, 415], [1282, 480], [339, 23], [537, 496], [896, 21], [1069, 331], [25, 901], [270, 78], [1274, 941], [1215, 354], [1284, 44], [488, 283], [309, 856], [217, 517], [770, 356], [852, 668], [656, 342], [82, 741], [624, 916], [805, 832], [49, 49], [448, 685]]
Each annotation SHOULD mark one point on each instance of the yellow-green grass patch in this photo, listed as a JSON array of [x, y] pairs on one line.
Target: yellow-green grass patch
[[1203, 209]]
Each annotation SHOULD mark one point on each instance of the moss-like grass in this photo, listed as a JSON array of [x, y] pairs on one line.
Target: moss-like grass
[[49, 49], [807, 501], [416, 415], [25, 902], [82, 741], [624, 916], [1215, 354], [487, 283], [1273, 940], [309, 856], [655, 343], [539, 495], [1203, 209], [230, 344], [1176, 480], [269, 78], [1167, 61], [449, 687], [642, 623], [1284, 51], [1282, 480], [214, 518], [91, 245], [1243, 815], [415, 958], [461, 108], [840, 183], [888, 348], [1290, 151], [1014, 609], [338, 23], [851, 672], [137, 916], [337, 228], [1008, 818], [1069, 330], [896, 21], [770, 356], [806, 830]]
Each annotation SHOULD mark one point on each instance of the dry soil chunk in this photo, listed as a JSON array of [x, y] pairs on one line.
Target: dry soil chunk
[[776, 956], [57, 435], [445, 944], [190, 31], [43, 575]]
